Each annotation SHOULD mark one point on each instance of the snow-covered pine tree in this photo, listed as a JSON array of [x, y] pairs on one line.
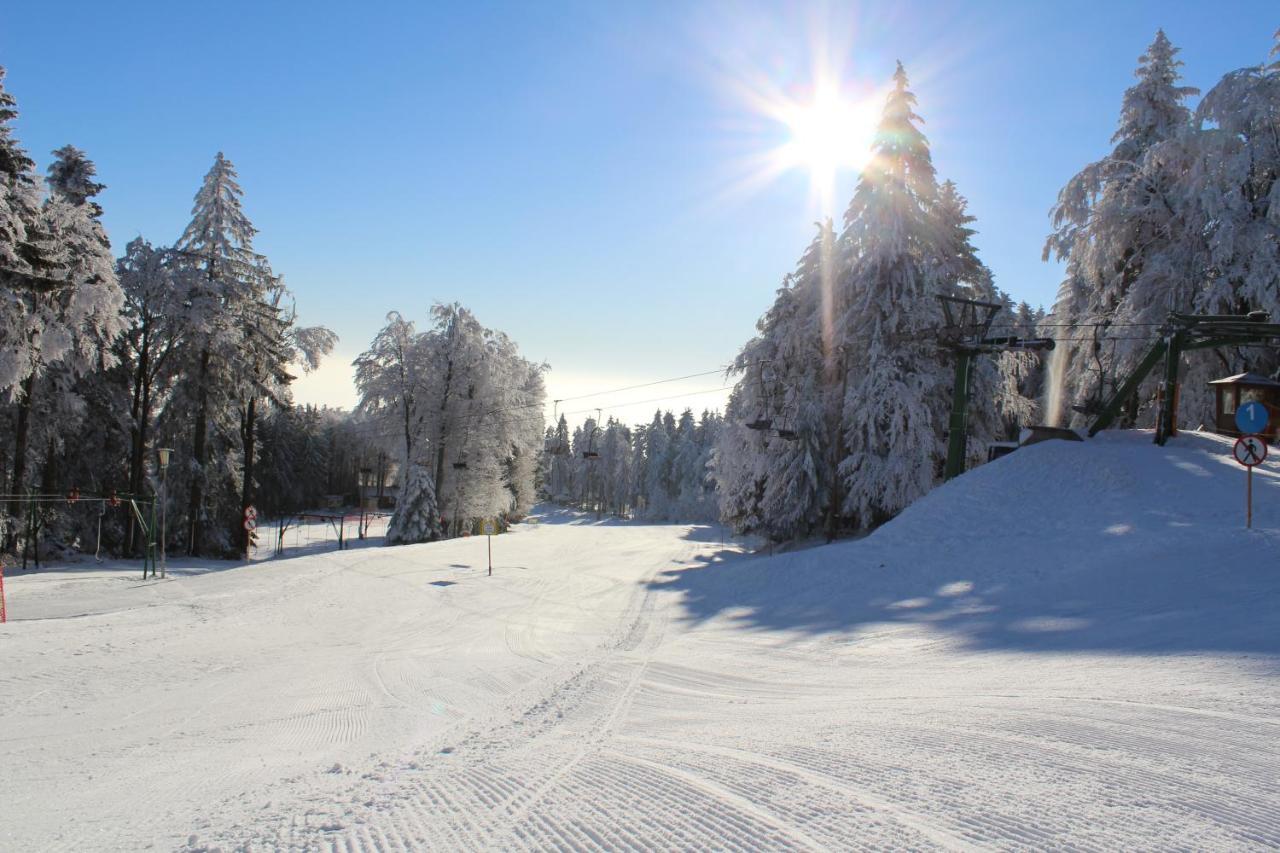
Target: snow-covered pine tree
[[801, 376], [895, 409], [1230, 200], [657, 485], [1115, 224], [65, 329], [219, 243], [19, 205], [416, 517], [791, 375], [560, 478]]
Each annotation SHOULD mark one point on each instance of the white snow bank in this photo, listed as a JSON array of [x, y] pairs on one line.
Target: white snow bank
[[1114, 544]]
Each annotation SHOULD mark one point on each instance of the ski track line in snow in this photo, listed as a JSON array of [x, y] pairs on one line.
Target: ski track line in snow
[[577, 691], [797, 772]]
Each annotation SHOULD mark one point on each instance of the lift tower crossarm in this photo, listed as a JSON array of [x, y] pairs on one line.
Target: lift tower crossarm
[[1181, 333], [967, 323]]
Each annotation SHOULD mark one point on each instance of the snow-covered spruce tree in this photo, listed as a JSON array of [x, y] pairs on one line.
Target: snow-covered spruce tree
[[1117, 224], [657, 487], [218, 242], [845, 373], [738, 461], [292, 460], [19, 205], [802, 372], [791, 374], [240, 342], [899, 390], [62, 326], [695, 500], [416, 517], [560, 475]]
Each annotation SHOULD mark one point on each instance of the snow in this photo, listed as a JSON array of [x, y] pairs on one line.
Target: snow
[[1075, 645]]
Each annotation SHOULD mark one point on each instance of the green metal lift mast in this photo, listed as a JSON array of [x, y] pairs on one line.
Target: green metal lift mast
[[968, 322], [1182, 333]]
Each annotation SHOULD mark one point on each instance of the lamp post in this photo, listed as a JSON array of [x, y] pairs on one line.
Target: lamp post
[[163, 454]]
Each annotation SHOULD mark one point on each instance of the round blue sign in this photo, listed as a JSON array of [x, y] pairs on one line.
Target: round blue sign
[[1252, 418]]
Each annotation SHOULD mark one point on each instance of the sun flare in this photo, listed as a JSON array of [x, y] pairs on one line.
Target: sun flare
[[828, 134]]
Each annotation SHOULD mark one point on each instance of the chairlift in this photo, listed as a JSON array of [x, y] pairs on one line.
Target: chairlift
[[786, 424], [591, 452], [1106, 376], [763, 421], [555, 445]]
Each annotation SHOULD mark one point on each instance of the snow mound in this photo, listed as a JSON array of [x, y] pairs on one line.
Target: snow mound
[[1110, 544]]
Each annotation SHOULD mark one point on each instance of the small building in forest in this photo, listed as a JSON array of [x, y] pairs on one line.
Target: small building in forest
[[1234, 391]]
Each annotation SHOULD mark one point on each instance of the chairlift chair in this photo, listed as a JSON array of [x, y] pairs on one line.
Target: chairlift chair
[[591, 452], [785, 429], [1107, 383], [763, 421]]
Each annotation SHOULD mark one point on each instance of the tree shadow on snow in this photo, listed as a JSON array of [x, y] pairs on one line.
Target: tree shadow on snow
[[834, 589]]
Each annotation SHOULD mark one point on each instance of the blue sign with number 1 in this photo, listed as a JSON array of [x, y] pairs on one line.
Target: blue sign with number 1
[[1252, 418]]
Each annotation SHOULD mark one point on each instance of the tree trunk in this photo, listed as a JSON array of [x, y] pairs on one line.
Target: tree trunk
[[246, 495], [21, 435], [137, 452], [444, 405], [195, 509], [837, 453]]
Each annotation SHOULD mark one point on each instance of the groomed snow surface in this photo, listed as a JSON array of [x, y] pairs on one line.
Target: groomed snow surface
[[1075, 646]]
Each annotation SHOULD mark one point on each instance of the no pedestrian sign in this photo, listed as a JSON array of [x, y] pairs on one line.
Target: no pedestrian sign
[[1250, 450]]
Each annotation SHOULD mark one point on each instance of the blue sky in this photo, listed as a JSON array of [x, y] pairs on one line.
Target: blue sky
[[573, 172]]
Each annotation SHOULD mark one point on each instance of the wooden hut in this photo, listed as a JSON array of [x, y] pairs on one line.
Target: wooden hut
[[1234, 391]]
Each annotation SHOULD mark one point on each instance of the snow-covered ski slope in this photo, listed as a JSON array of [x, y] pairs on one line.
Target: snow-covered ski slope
[[1076, 646]]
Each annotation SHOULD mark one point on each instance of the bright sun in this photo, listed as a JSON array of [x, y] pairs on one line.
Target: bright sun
[[827, 135]]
